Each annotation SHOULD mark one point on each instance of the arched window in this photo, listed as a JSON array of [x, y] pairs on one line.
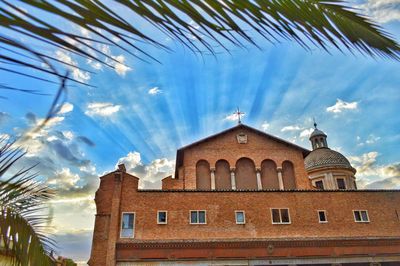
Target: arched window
[[222, 175], [245, 174], [269, 175], [289, 181], [322, 142], [203, 175]]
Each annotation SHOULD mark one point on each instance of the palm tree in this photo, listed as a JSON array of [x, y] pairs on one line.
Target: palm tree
[[22, 199]]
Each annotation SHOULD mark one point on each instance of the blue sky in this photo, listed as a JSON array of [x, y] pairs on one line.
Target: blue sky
[[141, 113]]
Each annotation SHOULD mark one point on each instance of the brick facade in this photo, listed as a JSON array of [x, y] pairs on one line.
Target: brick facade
[[220, 239]]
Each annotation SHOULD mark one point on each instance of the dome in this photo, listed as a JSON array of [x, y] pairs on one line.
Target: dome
[[325, 157], [317, 132]]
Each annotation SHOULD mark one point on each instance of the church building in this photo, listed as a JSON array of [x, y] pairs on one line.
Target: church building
[[244, 197]]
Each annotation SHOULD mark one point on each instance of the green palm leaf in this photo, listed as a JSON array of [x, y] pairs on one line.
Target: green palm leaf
[[308, 22], [22, 199], [208, 25]]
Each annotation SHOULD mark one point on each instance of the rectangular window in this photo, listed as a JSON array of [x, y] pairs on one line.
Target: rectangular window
[[240, 217], [198, 217], [361, 216], [319, 184], [280, 216], [322, 217], [128, 225], [340, 183], [162, 217]]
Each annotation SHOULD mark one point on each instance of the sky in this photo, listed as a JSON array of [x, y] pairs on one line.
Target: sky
[[140, 113]]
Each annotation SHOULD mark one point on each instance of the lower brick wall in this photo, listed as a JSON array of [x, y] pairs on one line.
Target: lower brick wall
[[360, 250], [303, 206]]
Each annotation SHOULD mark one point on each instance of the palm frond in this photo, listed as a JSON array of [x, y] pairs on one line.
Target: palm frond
[[208, 25], [308, 22], [22, 199], [323, 23]]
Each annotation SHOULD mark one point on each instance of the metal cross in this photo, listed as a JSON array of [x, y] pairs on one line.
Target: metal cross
[[315, 123], [239, 114]]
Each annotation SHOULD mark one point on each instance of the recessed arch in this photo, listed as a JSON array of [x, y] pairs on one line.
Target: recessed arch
[[203, 175], [222, 175], [245, 174], [288, 175], [269, 175]]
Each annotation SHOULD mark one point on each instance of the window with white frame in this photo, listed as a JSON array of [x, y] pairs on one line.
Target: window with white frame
[[128, 225], [240, 217], [280, 216], [361, 216], [198, 217], [162, 217], [322, 216]]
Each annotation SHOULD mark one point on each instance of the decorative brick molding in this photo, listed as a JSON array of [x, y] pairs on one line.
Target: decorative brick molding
[[288, 243]]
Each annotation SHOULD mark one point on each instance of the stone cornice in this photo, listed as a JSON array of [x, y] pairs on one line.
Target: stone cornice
[[255, 243], [270, 190]]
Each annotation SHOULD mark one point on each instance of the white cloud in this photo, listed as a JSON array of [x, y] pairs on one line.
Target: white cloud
[[131, 160], [372, 139], [120, 66], [94, 64], [118, 63], [64, 178], [154, 91], [265, 126], [291, 128], [35, 140], [77, 74], [382, 11], [233, 117], [372, 175], [364, 163], [302, 131], [341, 105], [102, 109], [369, 141], [66, 108], [51, 122], [68, 134], [150, 174], [306, 133]]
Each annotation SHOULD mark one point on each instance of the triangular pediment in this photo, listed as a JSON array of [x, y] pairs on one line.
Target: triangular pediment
[[239, 128]]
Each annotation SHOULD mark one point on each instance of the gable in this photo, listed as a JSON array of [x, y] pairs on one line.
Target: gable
[[240, 137]]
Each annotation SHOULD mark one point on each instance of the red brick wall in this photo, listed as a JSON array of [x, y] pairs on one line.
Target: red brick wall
[[303, 208], [114, 197], [172, 183], [107, 222], [258, 148]]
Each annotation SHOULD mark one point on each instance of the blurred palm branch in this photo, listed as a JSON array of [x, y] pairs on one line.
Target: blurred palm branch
[[201, 26], [22, 204]]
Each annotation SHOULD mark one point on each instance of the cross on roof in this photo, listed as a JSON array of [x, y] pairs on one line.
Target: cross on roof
[[239, 115]]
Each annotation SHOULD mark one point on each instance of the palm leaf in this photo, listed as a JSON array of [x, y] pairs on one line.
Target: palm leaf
[[22, 240], [325, 24], [308, 22]]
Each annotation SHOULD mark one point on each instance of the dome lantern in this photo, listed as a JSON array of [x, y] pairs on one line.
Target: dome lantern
[[318, 138]]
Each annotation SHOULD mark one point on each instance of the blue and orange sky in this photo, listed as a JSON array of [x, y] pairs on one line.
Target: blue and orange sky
[[140, 113]]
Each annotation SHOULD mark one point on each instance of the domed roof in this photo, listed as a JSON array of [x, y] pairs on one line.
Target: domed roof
[[325, 157], [317, 132]]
